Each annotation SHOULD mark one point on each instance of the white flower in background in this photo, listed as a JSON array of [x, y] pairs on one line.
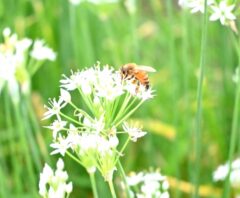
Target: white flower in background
[[42, 52], [183, 3], [222, 172], [235, 76], [148, 185], [54, 184], [223, 12], [61, 146], [198, 5], [133, 132], [15, 67], [54, 109], [131, 6], [134, 178], [76, 2], [57, 126], [6, 32], [23, 45]]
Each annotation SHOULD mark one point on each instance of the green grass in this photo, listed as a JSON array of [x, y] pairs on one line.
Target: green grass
[[159, 34]]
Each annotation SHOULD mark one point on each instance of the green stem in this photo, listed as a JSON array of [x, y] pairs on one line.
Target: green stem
[[123, 148], [81, 111], [129, 114], [123, 107], [74, 158], [37, 129], [111, 186], [14, 156], [24, 143], [198, 118], [94, 186], [71, 119], [120, 168]]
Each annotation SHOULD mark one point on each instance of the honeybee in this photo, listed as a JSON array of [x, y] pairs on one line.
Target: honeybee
[[136, 73]]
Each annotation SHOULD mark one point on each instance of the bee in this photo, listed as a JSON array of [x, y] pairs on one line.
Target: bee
[[136, 73]]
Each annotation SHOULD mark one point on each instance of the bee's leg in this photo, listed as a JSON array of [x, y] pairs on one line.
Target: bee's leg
[[147, 86], [138, 85]]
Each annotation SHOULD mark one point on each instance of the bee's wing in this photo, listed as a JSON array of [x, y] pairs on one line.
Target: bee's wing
[[146, 68]]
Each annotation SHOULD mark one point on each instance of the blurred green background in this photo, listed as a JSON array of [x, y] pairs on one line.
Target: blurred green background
[[157, 33]]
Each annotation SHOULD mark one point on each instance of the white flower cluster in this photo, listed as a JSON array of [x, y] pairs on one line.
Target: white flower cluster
[[54, 184], [148, 185], [103, 83], [18, 62], [91, 138], [222, 172], [219, 10]]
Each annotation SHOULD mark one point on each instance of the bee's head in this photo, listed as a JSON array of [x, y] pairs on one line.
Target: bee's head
[[124, 72]]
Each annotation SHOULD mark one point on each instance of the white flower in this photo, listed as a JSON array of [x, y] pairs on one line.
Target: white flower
[[131, 6], [54, 109], [148, 185], [145, 94], [23, 45], [133, 132], [223, 170], [6, 32], [139, 91], [108, 84], [45, 177], [104, 147], [69, 188], [61, 146], [81, 80], [54, 184], [135, 179], [57, 126], [113, 141], [223, 12], [235, 178], [155, 176], [165, 185], [75, 2], [65, 95], [221, 173], [183, 3], [95, 126], [71, 83], [8, 63], [165, 195], [198, 5], [60, 164], [14, 64], [41, 52], [88, 141], [235, 76]]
